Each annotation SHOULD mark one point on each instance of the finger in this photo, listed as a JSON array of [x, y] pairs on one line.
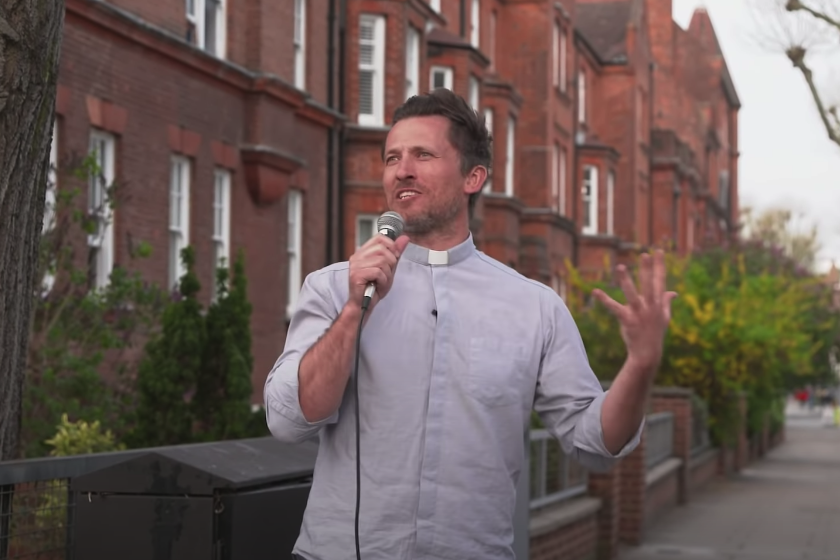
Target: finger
[[627, 286], [659, 275], [401, 243], [375, 255], [666, 304], [645, 278], [615, 308]]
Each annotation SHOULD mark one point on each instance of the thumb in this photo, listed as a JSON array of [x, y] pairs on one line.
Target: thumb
[[400, 244]]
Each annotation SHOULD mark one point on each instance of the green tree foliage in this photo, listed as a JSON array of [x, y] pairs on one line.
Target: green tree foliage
[[169, 371], [224, 386], [746, 320], [77, 333]]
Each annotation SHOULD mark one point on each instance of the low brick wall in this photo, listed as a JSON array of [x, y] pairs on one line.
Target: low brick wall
[[663, 489], [703, 468], [566, 531]]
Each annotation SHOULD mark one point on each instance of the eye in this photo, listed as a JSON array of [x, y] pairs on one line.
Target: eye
[[390, 159]]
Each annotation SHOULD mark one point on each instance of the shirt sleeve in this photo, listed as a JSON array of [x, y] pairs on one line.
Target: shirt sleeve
[[569, 396], [315, 314]]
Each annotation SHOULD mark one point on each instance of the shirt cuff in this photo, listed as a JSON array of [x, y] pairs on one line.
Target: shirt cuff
[[589, 435], [282, 406]]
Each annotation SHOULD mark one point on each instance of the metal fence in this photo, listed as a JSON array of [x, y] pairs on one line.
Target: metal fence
[[659, 438], [37, 507], [699, 428], [553, 476]]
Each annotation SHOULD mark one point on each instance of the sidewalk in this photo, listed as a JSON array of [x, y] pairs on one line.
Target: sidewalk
[[783, 507]]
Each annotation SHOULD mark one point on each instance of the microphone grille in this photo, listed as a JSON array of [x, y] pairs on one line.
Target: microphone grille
[[392, 221]]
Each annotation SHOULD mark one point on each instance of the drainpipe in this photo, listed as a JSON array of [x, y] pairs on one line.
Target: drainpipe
[[339, 135], [575, 166], [463, 18], [331, 194], [651, 105]]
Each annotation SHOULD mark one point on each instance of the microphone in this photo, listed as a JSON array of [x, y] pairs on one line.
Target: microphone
[[392, 225]]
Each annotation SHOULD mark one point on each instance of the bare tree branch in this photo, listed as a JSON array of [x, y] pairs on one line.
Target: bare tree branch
[[797, 5], [797, 57]]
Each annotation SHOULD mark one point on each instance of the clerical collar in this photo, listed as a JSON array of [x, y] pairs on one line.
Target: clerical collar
[[456, 254]]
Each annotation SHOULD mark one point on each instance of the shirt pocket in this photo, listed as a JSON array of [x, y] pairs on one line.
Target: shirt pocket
[[496, 370]]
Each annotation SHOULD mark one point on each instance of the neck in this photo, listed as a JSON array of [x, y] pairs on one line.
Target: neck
[[444, 238]]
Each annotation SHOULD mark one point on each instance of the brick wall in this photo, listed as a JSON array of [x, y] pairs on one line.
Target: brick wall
[[576, 541]]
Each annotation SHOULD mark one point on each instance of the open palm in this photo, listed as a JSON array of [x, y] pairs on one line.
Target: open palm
[[646, 315]]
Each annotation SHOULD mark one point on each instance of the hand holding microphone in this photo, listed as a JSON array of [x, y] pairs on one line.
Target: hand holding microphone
[[372, 266]]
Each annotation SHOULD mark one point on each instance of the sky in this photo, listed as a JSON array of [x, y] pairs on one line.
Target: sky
[[786, 158]]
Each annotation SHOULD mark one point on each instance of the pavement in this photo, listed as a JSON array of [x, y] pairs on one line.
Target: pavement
[[785, 506]]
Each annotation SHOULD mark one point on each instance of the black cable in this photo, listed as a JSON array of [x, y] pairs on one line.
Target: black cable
[[365, 303]]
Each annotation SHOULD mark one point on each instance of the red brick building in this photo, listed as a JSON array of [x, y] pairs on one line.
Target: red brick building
[[231, 124]]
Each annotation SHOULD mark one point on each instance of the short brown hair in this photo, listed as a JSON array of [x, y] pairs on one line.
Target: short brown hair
[[467, 128]]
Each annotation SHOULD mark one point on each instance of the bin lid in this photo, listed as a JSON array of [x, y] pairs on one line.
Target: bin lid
[[200, 469]]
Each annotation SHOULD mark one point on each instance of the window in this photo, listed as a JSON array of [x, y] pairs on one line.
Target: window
[[179, 216], [473, 93], [365, 228], [293, 248], [589, 194], [475, 20], [221, 218], [563, 171], [371, 70], [509, 157], [48, 223], [563, 43], [300, 44], [558, 284], [582, 97], [610, 202], [412, 62], [206, 21], [723, 192], [442, 77], [101, 241], [435, 4]]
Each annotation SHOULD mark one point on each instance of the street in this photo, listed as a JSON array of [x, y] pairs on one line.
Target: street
[[783, 507]]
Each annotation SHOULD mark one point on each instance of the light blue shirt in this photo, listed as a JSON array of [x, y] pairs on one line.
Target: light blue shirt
[[452, 362]]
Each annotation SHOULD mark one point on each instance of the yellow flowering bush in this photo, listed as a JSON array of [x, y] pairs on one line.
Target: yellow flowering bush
[[744, 320]]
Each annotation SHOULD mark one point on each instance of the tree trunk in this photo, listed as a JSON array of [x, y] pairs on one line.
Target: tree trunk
[[30, 44]]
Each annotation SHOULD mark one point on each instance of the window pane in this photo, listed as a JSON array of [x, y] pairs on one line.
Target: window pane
[[366, 92]]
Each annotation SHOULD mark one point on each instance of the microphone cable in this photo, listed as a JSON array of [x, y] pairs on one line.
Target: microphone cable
[[365, 303]]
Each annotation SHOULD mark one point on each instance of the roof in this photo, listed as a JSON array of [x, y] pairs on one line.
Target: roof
[[604, 26]]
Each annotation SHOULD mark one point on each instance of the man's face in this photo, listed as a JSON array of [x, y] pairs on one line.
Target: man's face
[[422, 178]]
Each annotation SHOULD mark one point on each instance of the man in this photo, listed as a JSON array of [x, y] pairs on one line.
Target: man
[[456, 351]]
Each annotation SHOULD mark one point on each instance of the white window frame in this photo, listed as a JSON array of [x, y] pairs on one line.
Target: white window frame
[[488, 121], [222, 180], [475, 23], [582, 97], [197, 16], [591, 180], [376, 67], [180, 179], [365, 218], [448, 76], [610, 202], [294, 246], [412, 62], [510, 155], [474, 93], [435, 5], [102, 241], [299, 38]]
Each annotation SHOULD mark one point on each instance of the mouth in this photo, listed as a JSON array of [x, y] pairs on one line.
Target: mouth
[[407, 194]]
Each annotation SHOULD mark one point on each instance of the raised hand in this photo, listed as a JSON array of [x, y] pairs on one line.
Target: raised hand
[[646, 315]]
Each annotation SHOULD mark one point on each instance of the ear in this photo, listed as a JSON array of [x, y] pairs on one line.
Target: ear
[[475, 179]]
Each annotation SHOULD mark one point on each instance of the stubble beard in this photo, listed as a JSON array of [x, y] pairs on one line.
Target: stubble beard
[[432, 219]]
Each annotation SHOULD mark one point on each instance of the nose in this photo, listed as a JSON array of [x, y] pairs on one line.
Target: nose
[[405, 169]]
